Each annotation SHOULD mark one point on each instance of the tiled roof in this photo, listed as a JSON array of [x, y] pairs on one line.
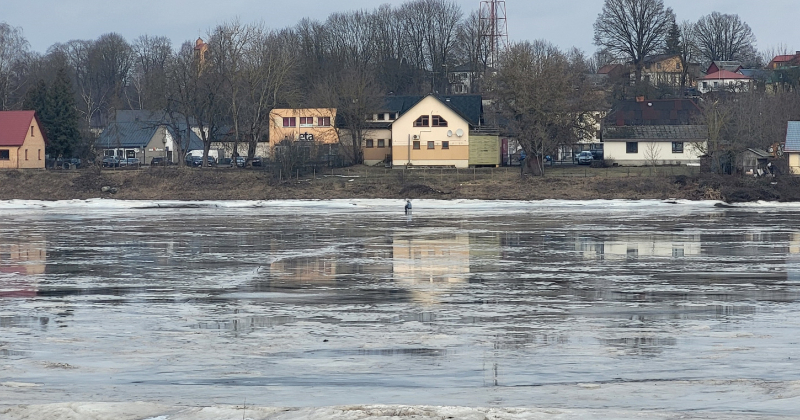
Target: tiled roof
[[14, 127], [724, 75], [655, 132], [653, 112], [792, 137]]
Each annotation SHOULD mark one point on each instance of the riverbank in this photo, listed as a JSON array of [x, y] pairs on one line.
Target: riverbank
[[569, 183]]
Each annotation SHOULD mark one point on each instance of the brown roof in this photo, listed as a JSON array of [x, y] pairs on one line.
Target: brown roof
[[14, 127]]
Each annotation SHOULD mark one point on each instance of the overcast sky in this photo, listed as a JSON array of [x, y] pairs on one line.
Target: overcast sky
[[565, 23]]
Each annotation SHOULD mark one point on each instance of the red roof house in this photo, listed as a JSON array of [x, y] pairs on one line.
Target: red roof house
[[22, 140], [784, 61], [724, 80]]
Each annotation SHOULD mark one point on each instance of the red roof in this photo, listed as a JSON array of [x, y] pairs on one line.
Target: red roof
[[14, 127], [782, 58], [725, 74]]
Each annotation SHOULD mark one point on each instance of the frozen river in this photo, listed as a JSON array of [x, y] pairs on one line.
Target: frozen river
[[610, 306]]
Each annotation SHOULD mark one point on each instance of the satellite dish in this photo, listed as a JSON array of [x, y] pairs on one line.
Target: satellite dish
[[459, 132], [136, 150], [449, 133]]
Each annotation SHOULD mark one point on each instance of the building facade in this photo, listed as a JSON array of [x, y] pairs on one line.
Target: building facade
[[22, 141]]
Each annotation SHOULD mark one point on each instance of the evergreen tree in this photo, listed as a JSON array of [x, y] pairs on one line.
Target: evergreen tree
[[64, 138], [673, 41], [37, 99]]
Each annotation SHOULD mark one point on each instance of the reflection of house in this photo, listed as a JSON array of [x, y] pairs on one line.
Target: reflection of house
[[143, 135], [22, 142], [655, 144], [631, 248], [26, 256], [792, 146], [419, 261]]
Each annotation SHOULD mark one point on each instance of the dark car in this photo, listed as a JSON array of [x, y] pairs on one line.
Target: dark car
[[225, 162], [110, 162], [198, 160], [256, 161], [240, 161], [585, 158], [158, 161]]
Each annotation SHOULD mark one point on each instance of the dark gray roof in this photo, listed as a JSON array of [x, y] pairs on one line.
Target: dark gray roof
[[792, 137], [760, 153], [469, 107], [133, 134], [655, 132]]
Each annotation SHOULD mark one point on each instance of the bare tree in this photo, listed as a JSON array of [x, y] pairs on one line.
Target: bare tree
[[149, 72], [545, 100], [14, 50], [651, 153], [633, 29], [724, 37]]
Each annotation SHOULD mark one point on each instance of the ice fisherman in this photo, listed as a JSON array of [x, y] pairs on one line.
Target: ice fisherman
[[408, 207]]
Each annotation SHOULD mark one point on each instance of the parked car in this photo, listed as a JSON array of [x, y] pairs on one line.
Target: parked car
[[256, 161], [133, 161], [158, 161], [240, 161], [110, 162], [225, 162], [585, 158], [67, 163], [198, 160]]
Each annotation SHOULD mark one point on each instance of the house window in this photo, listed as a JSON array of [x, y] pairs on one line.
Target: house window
[[438, 121], [5, 154], [381, 143], [631, 147], [423, 121], [390, 143], [677, 147], [324, 121], [416, 145], [430, 145], [130, 154], [289, 122], [26, 154], [705, 85], [678, 66], [393, 115], [369, 143], [369, 117], [658, 66], [306, 121], [381, 117], [31, 131], [40, 154], [445, 145]]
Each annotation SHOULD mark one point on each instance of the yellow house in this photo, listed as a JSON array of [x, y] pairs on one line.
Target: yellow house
[[432, 133], [304, 124], [792, 146], [22, 142]]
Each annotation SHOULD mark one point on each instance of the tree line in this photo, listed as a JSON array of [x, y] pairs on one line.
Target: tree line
[[229, 83]]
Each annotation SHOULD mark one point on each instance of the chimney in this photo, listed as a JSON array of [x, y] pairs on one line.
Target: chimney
[[640, 99]]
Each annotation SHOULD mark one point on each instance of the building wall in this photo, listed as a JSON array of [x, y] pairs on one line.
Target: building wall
[[375, 155], [28, 156], [277, 132], [484, 150], [794, 163], [665, 72], [660, 151], [404, 134]]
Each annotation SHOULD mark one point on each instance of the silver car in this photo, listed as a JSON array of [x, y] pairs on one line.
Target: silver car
[[585, 158]]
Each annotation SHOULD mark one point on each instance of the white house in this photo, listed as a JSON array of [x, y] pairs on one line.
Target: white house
[[724, 80], [655, 144]]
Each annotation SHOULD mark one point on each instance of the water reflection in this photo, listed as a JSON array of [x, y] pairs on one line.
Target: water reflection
[[632, 247], [22, 259]]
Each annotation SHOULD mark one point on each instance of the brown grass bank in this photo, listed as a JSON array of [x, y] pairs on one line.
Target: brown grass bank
[[570, 183]]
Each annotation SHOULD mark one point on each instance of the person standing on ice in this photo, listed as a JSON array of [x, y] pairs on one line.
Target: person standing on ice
[[408, 207]]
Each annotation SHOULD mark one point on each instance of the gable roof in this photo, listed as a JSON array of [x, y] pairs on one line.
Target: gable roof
[[655, 112], [14, 127], [725, 75], [137, 134], [659, 57], [655, 132], [468, 107], [792, 137], [716, 66]]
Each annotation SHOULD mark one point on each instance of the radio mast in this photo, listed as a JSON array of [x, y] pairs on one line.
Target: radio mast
[[494, 29]]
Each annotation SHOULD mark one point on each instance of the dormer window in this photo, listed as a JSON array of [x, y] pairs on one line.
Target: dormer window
[[423, 121], [382, 117], [438, 121]]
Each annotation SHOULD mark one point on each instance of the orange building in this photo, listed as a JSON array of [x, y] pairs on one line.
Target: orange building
[[304, 124], [22, 141]]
